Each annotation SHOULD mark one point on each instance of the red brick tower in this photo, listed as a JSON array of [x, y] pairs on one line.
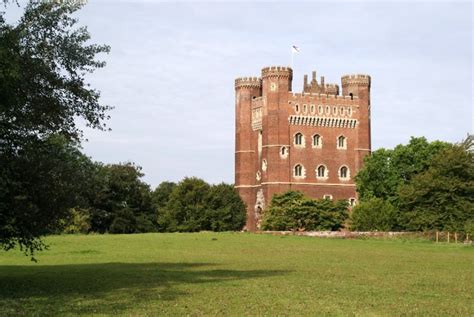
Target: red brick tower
[[313, 141]]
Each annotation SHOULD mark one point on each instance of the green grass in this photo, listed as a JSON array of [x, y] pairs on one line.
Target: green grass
[[237, 274]]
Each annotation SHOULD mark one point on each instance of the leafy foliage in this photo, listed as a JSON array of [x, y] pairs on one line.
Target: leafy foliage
[[442, 197], [375, 214], [225, 210], [194, 205], [419, 186], [293, 211], [386, 170], [44, 59], [120, 198]]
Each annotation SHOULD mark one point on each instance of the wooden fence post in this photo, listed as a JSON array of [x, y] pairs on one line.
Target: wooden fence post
[[455, 237], [437, 233], [448, 236]]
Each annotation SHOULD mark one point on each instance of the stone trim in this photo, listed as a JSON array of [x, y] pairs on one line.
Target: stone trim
[[276, 145], [249, 151], [246, 186], [323, 121], [312, 184]]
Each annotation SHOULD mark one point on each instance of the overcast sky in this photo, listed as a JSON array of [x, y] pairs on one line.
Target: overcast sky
[[171, 70]]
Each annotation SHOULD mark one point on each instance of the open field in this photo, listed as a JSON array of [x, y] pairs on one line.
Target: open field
[[237, 274]]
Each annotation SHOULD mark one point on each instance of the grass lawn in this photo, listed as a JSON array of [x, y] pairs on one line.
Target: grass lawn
[[237, 274]]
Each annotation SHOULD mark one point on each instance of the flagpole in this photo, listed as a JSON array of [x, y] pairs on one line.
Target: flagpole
[[292, 57]]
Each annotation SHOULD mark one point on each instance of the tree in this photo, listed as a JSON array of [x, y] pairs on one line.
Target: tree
[[43, 62], [159, 199], [225, 210], [374, 214], [121, 194], [442, 197], [293, 211], [385, 170], [186, 206], [38, 186]]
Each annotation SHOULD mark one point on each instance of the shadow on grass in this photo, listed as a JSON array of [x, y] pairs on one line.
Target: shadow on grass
[[104, 288]]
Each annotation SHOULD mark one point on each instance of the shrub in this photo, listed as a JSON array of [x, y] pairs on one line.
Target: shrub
[[374, 214], [293, 211], [78, 221]]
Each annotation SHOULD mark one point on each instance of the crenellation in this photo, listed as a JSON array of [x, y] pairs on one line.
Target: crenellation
[[248, 82], [281, 126]]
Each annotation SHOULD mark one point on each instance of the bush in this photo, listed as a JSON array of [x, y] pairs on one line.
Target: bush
[[374, 214], [293, 211], [124, 222], [225, 211], [78, 221]]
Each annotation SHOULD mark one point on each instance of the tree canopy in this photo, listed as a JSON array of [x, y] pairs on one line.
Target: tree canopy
[[44, 59], [294, 211]]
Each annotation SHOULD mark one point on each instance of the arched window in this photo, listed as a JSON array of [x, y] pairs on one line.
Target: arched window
[[321, 171], [305, 109], [298, 138], [341, 142], [320, 109], [317, 140], [352, 95], [297, 108], [352, 202], [334, 110], [344, 172], [298, 170], [283, 152], [328, 110], [312, 109]]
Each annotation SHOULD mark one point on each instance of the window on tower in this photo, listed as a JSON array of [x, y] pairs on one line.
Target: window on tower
[[344, 173], [298, 170], [317, 142], [321, 172], [341, 142], [298, 139]]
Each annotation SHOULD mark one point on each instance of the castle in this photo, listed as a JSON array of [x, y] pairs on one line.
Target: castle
[[314, 141]]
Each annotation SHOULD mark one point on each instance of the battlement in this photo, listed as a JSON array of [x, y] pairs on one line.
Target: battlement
[[322, 96], [361, 79], [277, 71], [248, 82]]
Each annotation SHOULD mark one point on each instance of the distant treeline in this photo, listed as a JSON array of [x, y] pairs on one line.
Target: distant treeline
[[120, 202]]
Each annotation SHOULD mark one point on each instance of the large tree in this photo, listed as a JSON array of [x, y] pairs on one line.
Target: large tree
[[442, 197], [385, 170], [44, 59]]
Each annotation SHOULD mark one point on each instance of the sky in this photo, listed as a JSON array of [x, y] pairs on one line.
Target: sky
[[171, 70]]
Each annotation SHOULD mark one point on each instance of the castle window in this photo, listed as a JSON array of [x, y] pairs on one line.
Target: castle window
[[320, 109], [298, 170], [334, 110], [327, 196], [317, 142], [344, 173], [341, 142], [313, 111], [352, 96], [349, 111], [297, 108], [341, 110], [328, 110], [299, 139], [321, 172], [305, 109], [283, 152]]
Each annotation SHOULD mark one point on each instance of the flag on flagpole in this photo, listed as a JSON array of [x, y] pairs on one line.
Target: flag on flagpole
[[295, 49]]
